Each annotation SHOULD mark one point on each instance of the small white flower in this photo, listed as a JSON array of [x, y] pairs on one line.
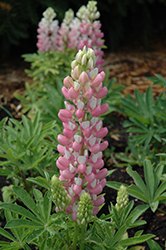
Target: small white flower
[[71, 126], [86, 153], [93, 184], [80, 105], [94, 158], [85, 124], [77, 138], [81, 159], [67, 105], [93, 73], [87, 85], [94, 120], [94, 196], [88, 170], [78, 181], [93, 104], [71, 192], [98, 125], [76, 86], [67, 154], [92, 141], [71, 168]]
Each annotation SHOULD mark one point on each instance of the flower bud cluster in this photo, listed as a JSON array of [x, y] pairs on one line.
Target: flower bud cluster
[[122, 199], [90, 29], [92, 12], [84, 214], [48, 32], [65, 29], [59, 194], [81, 144]]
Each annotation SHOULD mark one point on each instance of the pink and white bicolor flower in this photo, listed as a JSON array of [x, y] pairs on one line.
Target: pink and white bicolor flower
[[81, 145]]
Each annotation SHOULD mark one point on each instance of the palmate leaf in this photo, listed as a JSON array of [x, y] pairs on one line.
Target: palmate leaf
[[149, 178], [159, 191], [158, 173], [149, 99], [141, 104], [6, 235], [20, 210], [35, 234], [23, 223], [136, 213], [140, 123], [115, 185], [159, 80], [27, 200], [14, 244], [40, 181], [119, 234], [153, 245], [3, 171], [125, 212], [134, 240], [138, 180]]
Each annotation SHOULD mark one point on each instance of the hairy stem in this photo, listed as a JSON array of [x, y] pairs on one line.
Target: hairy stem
[[83, 237], [75, 236]]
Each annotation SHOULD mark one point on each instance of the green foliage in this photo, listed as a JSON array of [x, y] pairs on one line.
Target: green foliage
[[153, 245], [114, 96], [34, 224], [48, 69], [119, 219], [150, 191], [46, 66], [135, 155], [158, 80], [146, 119], [25, 148]]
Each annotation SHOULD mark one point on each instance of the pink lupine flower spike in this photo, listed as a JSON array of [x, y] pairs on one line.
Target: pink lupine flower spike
[[81, 145]]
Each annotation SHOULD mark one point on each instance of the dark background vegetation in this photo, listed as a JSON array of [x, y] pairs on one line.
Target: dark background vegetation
[[124, 22]]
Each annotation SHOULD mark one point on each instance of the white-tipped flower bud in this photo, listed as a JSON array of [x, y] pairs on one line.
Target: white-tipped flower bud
[[49, 14], [69, 15]]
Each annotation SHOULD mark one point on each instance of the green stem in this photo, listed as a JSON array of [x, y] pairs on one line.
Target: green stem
[[67, 235], [160, 210], [82, 237], [75, 236], [22, 178]]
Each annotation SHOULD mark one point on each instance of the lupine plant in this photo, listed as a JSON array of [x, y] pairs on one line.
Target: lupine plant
[[74, 33], [55, 44], [81, 144], [48, 31], [77, 191], [25, 149]]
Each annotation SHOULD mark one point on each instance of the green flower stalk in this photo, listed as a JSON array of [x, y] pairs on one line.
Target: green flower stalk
[[85, 209], [122, 199], [59, 195]]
